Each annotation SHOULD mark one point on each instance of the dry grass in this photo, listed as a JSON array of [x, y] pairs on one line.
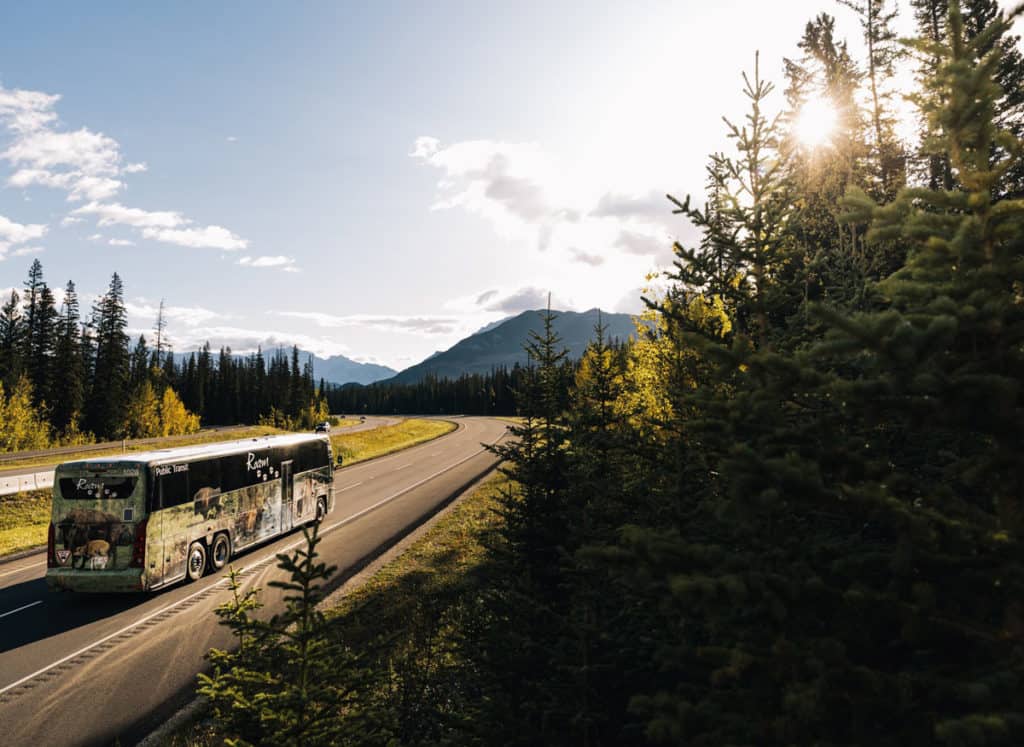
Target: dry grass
[[358, 447], [24, 519]]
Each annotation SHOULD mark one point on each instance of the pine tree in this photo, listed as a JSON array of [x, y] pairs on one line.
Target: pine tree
[[68, 406], [111, 370], [289, 681], [12, 333]]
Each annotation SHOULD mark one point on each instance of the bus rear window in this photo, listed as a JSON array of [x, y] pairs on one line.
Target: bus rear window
[[91, 488]]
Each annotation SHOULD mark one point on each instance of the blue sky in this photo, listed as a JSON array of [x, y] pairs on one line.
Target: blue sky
[[373, 179]]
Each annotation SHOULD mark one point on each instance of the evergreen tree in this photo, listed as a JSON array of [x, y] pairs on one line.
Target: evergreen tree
[[11, 335], [68, 406], [288, 682], [111, 370]]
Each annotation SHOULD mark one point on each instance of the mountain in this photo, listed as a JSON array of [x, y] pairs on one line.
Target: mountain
[[336, 370], [502, 344]]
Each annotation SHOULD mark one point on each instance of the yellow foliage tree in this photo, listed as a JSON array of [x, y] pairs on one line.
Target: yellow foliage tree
[[21, 426], [174, 418], [143, 417]]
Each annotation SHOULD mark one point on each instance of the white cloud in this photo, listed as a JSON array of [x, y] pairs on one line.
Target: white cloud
[[26, 111], [208, 237], [121, 242], [190, 316], [82, 150], [242, 340], [232, 139], [528, 196], [70, 220], [88, 165], [27, 250], [109, 214], [17, 233], [422, 325], [286, 263], [95, 237]]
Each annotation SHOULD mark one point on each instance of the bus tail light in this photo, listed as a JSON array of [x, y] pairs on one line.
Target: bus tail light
[[51, 542], [139, 546]]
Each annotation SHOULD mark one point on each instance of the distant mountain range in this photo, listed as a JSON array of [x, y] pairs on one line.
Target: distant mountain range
[[337, 369], [497, 344], [501, 343]]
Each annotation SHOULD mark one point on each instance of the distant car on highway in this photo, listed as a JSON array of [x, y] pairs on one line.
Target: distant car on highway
[[324, 427]]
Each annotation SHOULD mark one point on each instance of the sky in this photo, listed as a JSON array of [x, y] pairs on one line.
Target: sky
[[376, 180]]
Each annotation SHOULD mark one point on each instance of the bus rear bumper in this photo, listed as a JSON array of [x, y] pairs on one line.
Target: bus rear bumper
[[65, 579]]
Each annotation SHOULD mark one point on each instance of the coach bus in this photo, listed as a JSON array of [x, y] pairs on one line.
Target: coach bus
[[143, 521]]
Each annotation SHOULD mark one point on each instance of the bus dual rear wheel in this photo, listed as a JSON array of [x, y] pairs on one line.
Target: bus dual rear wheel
[[220, 552], [195, 563]]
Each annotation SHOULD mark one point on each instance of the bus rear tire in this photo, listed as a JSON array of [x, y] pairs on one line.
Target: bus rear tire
[[220, 552], [195, 563]]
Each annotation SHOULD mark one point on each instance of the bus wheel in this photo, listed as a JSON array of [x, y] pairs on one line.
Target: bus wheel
[[220, 552], [321, 509], [196, 564]]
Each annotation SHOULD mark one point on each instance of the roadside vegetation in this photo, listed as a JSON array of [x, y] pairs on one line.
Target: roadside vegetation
[[24, 519], [375, 442], [390, 655], [792, 511]]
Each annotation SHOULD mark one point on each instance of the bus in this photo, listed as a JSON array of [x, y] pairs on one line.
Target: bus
[[143, 521]]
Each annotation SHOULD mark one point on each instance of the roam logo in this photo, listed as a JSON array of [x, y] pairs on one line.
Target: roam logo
[[253, 464]]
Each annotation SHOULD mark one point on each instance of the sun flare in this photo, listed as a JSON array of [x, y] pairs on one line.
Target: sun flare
[[815, 122]]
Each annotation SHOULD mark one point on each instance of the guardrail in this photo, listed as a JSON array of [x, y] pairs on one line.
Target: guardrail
[[21, 483]]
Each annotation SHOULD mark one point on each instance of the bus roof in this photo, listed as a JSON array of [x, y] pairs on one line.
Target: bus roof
[[188, 453]]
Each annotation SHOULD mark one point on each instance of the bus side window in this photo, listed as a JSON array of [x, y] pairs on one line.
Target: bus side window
[[204, 476], [173, 489]]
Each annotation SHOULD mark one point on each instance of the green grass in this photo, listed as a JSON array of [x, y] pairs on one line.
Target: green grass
[[24, 519], [437, 573], [194, 440], [363, 445]]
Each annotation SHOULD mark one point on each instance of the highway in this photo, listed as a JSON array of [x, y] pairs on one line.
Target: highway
[[92, 669]]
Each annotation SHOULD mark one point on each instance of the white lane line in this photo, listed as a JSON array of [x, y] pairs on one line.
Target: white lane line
[[403, 466], [223, 581], [23, 568], [348, 487], [24, 607]]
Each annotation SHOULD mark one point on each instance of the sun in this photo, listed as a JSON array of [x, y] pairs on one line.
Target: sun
[[815, 123]]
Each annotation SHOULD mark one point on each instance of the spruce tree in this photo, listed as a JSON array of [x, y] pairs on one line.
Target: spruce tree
[[111, 370], [67, 408], [12, 332]]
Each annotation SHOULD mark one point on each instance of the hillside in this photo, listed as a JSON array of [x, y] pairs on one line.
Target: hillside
[[337, 369], [502, 345]]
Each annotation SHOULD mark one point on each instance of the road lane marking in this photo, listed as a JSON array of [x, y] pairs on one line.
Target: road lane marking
[[24, 607], [403, 466], [348, 487], [224, 580], [23, 568]]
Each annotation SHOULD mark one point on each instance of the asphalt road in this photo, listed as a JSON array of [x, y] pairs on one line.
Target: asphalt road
[[92, 669]]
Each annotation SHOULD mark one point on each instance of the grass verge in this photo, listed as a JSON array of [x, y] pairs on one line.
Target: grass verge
[[363, 445], [24, 519], [408, 614]]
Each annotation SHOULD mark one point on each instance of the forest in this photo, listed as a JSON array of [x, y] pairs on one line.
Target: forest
[[791, 513], [67, 380]]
